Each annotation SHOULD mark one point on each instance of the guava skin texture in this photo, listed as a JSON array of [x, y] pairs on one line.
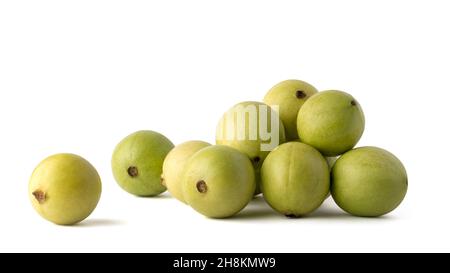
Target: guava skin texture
[[218, 181], [174, 164], [368, 181], [295, 179], [331, 121], [64, 189], [248, 146], [137, 162], [289, 95]]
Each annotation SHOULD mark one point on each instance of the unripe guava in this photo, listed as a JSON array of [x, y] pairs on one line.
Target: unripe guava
[[289, 95], [174, 164], [295, 179], [137, 162], [331, 121], [64, 189], [218, 181], [368, 181]]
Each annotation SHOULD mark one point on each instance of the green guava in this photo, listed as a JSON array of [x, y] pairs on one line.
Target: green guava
[[174, 165], [218, 181], [331, 121], [368, 181], [289, 96], [137, 162], [295, 179], [64, 189], [252, 128]]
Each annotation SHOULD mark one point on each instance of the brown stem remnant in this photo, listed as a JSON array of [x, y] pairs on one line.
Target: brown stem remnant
[[201, 186], [256, 160], [40, 196], [132, 171], [300, 94], [353, 102]]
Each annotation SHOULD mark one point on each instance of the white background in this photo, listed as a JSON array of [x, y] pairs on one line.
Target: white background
[[78, 76]]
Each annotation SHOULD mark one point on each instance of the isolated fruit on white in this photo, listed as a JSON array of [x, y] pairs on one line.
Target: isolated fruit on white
[[64, 189], [137, 162], [368, 181], [331, 121]]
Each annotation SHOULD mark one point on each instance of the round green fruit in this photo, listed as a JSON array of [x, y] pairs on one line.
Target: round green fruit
[[218, 181], [289, 96], [174, 165], [295, 179], [331, 121], [64, 189], [137, 162], [252, 128], [368, 181]]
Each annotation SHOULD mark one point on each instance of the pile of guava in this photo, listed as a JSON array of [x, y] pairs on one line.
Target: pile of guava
[[296, 147]]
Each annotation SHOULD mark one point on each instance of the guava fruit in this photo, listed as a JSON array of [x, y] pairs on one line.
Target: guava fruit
[[295, 179], [64, 189], [174, 164], [218, 181], [289, 96], [368, 181], [137, 162], [330, 121], [253, 128]]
